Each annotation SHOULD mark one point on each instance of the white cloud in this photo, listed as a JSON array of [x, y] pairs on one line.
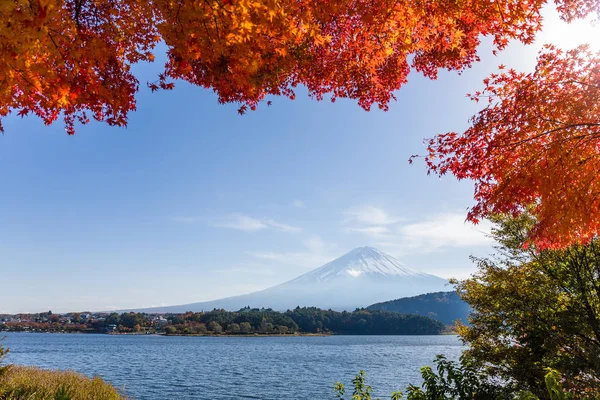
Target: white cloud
[[246, 223], [370, 215], [282, 227], [442, 230], [298, 204], [369, 220], [446, 230]]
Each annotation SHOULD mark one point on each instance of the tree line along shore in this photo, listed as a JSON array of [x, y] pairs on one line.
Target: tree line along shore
[[246, 321]]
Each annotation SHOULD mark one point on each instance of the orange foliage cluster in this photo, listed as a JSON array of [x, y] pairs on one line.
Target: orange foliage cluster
[[74, 56], [536, 147]]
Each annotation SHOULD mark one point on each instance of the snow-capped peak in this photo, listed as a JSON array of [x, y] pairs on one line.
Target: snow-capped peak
[[362, 261], [362, 277]]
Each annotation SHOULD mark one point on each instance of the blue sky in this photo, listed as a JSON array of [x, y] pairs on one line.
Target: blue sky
[[192, 202]]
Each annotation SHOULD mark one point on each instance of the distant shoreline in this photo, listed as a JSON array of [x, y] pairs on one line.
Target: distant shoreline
[[254, 334], [251, 335]]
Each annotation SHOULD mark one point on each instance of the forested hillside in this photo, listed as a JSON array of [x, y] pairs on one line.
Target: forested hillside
[[304, 320], [307, 320], [445, 307]]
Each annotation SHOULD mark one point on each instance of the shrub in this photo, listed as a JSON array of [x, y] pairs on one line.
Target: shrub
[[3, 353], [245, 327], [215, 327], [199, 329], [458, 381], [534, 309], [31, 383], [170, 330]]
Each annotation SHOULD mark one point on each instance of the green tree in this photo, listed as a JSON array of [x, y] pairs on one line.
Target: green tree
[[130, 320], [282, 329], [76, 318], [535, 309], [215, 327], [113, 319], [234, 328], [265, 326], [171, 330], [245, 327], [199, 329]]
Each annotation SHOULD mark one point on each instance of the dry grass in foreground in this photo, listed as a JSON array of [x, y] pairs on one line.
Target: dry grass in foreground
[[31, 383]]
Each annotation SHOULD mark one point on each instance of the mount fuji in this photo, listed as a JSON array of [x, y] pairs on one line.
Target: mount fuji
[[362, 277]]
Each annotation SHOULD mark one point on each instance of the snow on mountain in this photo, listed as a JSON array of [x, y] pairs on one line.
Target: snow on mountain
[[362, 261], [362, 277]]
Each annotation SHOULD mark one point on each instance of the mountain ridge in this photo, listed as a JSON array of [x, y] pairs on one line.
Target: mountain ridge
[[446, 307], [357, 279], [360, 261]]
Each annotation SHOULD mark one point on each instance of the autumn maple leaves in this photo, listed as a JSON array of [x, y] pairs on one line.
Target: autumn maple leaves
[[74, 57], [534, 145]]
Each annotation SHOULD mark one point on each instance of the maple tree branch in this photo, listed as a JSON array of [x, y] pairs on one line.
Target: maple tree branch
[[57, 48], [591, 315], [583, 84], [391, 11], [177, 13], [208, 38], [214, 19], [500, 12], [77, 14], [562, 128], [24, 77]]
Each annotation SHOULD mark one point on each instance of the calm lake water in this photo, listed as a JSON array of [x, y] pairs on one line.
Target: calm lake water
[[157, 367]]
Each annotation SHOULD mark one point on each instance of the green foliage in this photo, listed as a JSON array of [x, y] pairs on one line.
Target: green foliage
[[215, 327], [245, 327], [457, 381], [363, 322], [3, 353], [308, 320], [305, 320], [171, 330], [445, 307], [535, 309], [361, 391], [63, 393], [130, 320], [555, 389]]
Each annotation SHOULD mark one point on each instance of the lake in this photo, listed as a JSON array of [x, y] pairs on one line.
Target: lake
[[299, 367]]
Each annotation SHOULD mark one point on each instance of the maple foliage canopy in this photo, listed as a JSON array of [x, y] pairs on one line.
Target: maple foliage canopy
[[535, 147], [74, 57]]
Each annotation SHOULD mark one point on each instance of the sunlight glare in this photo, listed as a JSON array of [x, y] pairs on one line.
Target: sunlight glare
[[569, 35]]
